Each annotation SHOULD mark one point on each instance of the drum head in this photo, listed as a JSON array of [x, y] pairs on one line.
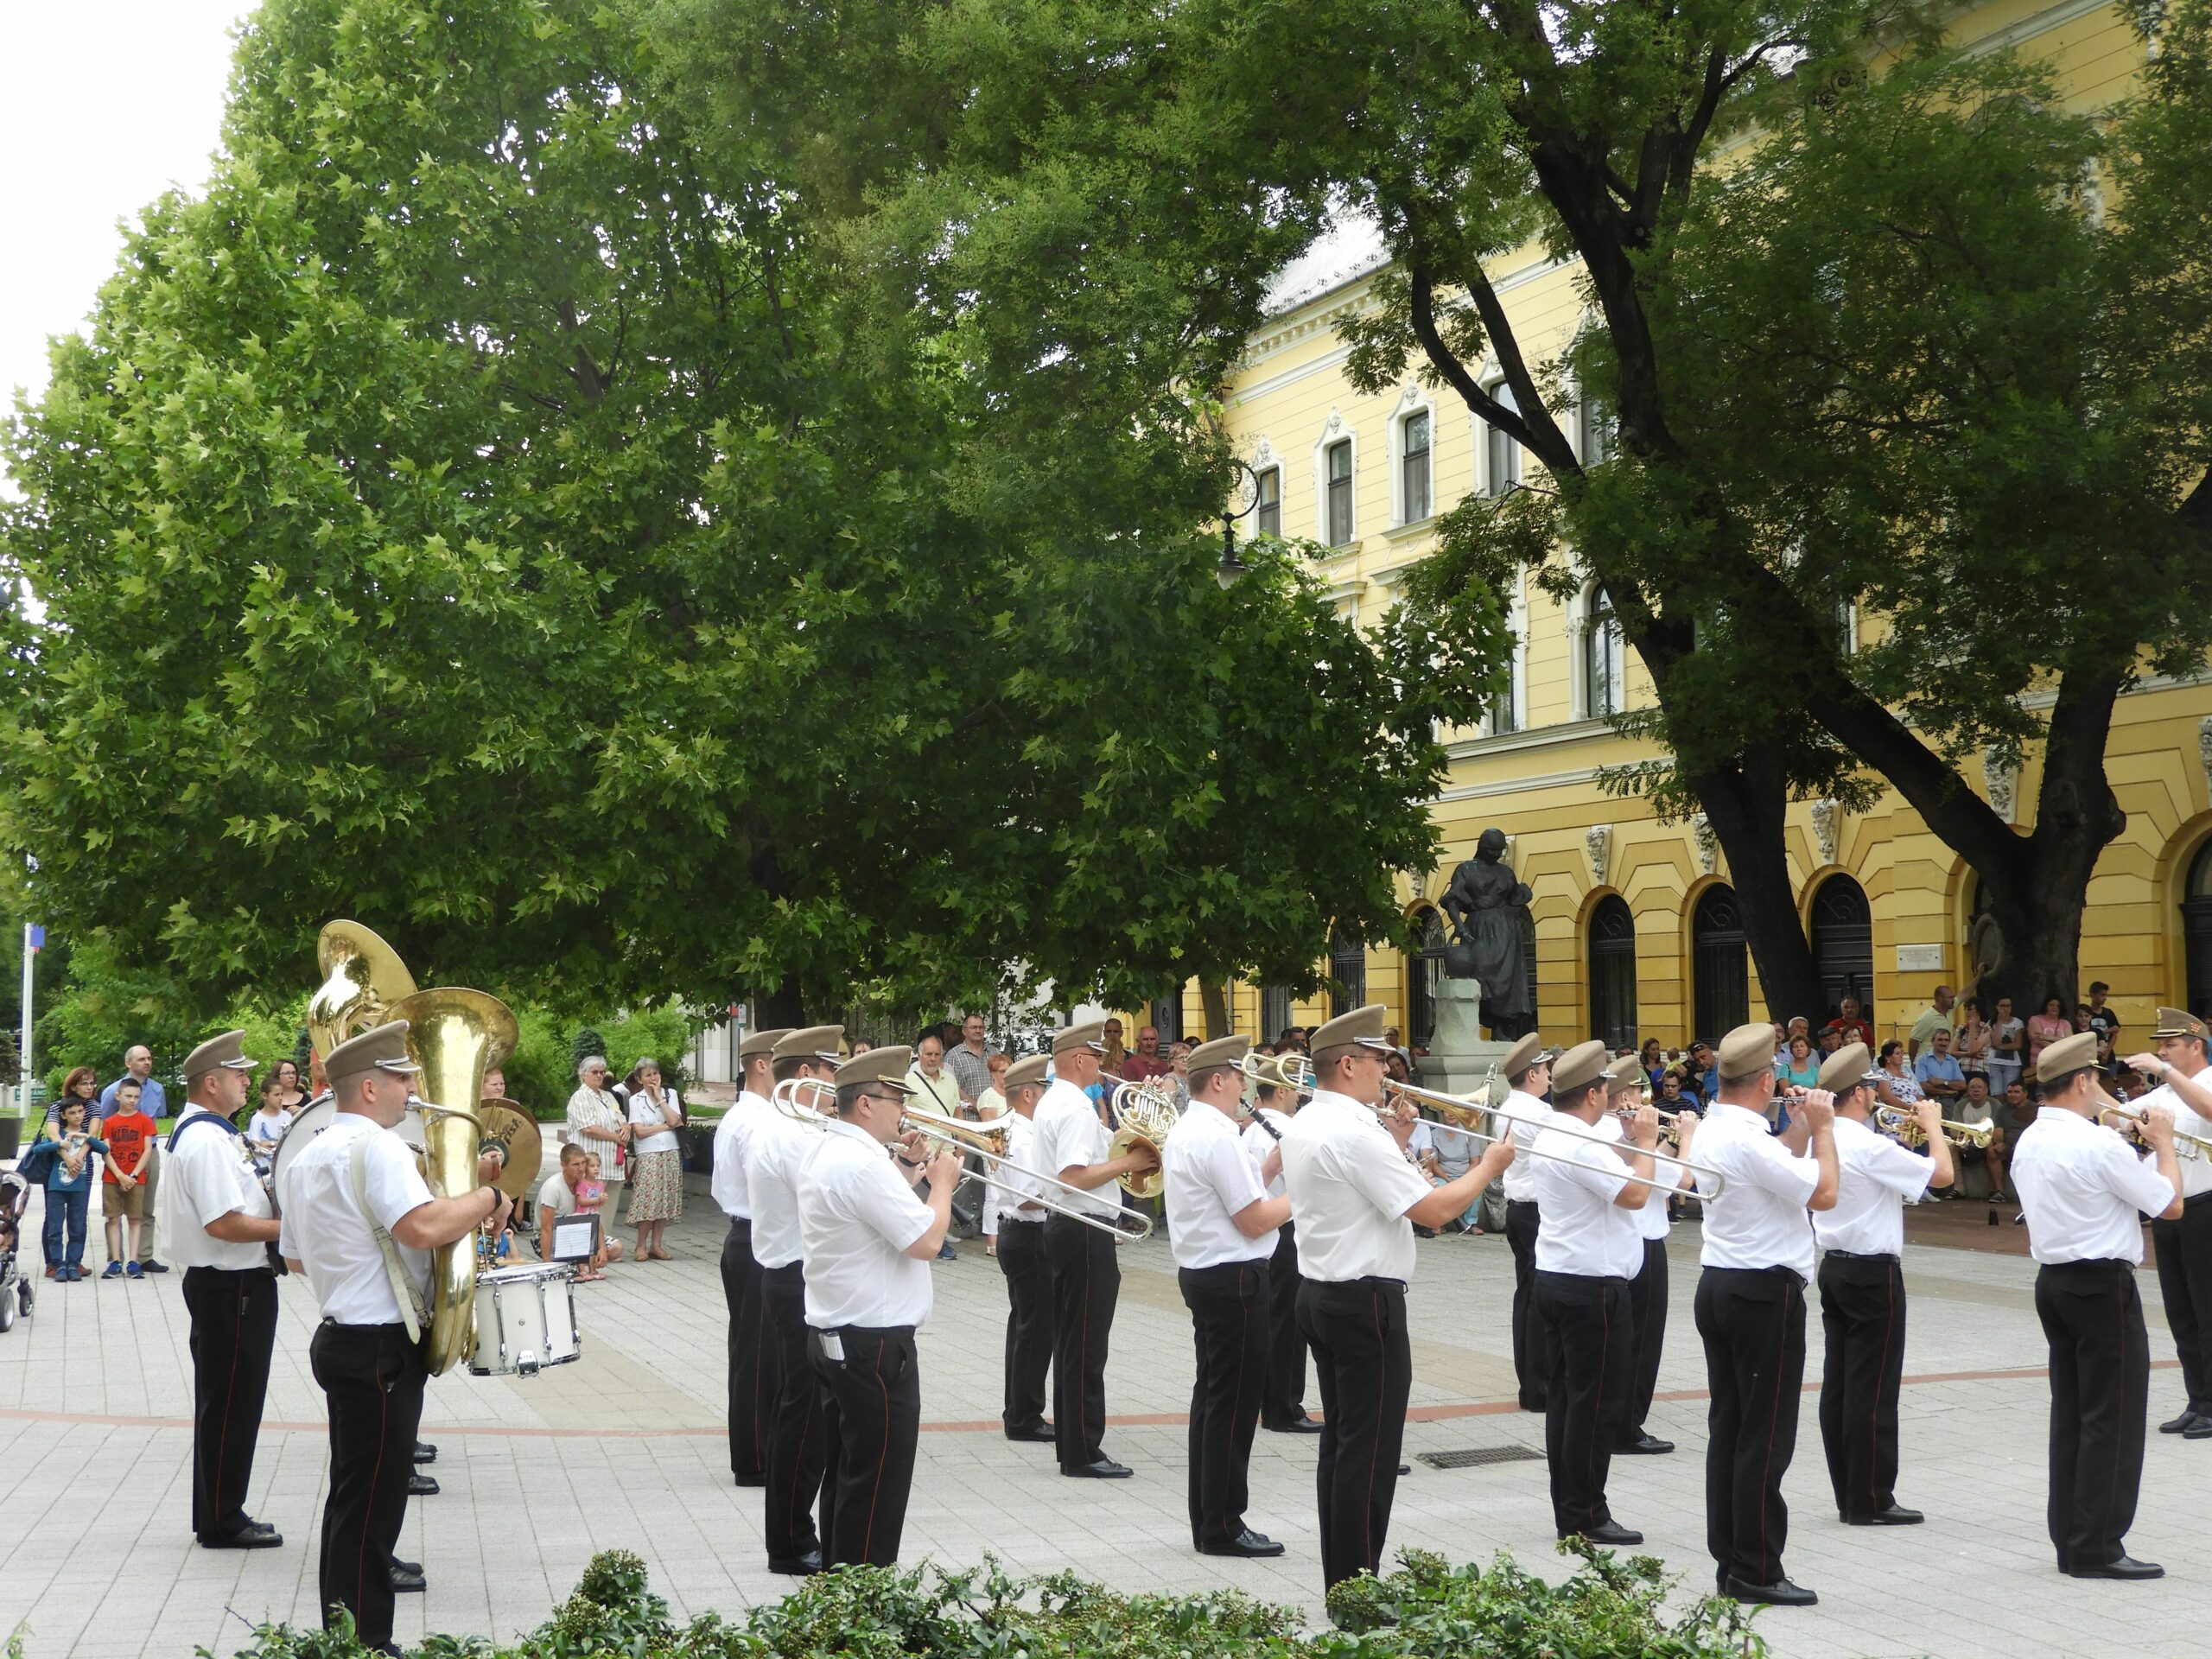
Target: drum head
[[318, 1116]]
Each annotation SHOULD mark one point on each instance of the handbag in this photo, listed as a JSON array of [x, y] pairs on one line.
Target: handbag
[[37, 1164]]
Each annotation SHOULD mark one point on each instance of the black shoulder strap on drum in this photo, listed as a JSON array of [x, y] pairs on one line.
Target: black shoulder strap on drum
[[184, 1123]]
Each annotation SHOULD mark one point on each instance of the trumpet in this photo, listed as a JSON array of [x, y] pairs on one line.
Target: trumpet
[[1462, 1113], [2129, 1122], [989, 1142], [1903, 1123]]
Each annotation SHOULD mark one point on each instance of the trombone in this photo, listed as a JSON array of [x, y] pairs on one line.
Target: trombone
[[810, 1102], [1291, 1070], [989, 1142], [1462, 1115], [1901, 1122]]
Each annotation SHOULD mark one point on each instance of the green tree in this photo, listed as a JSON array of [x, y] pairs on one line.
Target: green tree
[[485, 511]]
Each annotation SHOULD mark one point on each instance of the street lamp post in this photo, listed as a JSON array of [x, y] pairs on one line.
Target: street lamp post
[[1245, 488]]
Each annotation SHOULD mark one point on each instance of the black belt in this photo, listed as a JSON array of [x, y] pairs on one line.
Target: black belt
[[392, 1325], [745, 1222], [1520, 1203], [2101, 1263], [264, 1269], [2197, 1198], [1863, 1255], [1387, 1284], [1020, 1221], [866, 1332]]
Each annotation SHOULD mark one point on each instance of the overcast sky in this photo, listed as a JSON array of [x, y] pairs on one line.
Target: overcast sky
[[104, 104]]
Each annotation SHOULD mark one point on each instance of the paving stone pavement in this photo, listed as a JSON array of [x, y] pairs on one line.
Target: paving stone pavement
[[625, 1449]]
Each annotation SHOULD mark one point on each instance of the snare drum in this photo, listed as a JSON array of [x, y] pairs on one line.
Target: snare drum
[[525, 1321]]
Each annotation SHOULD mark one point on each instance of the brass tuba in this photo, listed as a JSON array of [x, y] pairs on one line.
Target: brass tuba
[[455, 1036], [364, 978]]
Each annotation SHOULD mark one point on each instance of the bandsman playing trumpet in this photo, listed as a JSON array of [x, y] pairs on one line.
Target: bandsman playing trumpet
[[1356, 1200], [1282, 1396], [1022, 1218], [1586, 1255], [1221, 1226], [2084, 1193], [2184, 1244], [750, 1406], [1626, 1082], [1862, 1288]]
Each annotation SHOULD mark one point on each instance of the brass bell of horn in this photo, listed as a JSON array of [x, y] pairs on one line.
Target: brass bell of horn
[[363, 978]]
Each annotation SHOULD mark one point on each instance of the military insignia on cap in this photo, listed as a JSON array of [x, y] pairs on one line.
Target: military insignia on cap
[[762, 1042], [1746, 1052], [381, 1049], [1624, 1074], [2180, 1022], [1022, 1073], [1361, 1028], [1523, 1055], [809, 1043], [1222, 1051], [217, 1053], [2074, 1053], [1581, 1066], [1846, 1069], [886, 1067], [1090, 1034]]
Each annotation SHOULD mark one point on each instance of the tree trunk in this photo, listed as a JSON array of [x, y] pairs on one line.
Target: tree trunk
[[1213, 997], [1744, 806], [781, 1005]]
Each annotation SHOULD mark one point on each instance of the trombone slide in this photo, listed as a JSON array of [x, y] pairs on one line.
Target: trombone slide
[[1460, 1115], [988, 1143]]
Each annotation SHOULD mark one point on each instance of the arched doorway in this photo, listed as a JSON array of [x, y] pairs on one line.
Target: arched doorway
[[1613, 973], [1424, 977], [2196, 931], [1720, 964], [1348, 969], [1843, 948]]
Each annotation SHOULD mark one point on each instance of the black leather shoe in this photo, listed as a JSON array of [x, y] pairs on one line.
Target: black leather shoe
[[1104, 1469], [750, 1480], [255, 1535], [422, 1486], [1780, 1594], [1247, 1542], [2125, 1567], [797, 1566], [1613, 1535], [1893, 1517], [1533, 1402], [2199, 1430], [1645, 1446], [1405, 1468], [1300, 1424], [398, 1565], [407, 1583], [1042, 1434], [425, 1453], [155, 1267]]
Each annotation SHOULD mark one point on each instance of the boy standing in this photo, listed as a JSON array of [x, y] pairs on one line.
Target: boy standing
[[130, 1133]]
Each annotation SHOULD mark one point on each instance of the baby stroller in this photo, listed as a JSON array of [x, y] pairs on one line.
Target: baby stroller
[[15, 1289]]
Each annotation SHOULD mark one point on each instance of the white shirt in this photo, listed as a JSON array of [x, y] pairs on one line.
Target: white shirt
[[267, 1128], [2195, 1172], [325, 1229], [1015, 1180], [1349, 1188], [773, 1157], [857, 1216], [599, 1108], [1530, 1116], [732, 1137], [1875, 1178], [210, 1174], [1258, 1143], [556, 1196], [1210, 1178], [645, 1115], [1760, 1220], [1070, 1136], [1577, 1173], [2083, 1192]]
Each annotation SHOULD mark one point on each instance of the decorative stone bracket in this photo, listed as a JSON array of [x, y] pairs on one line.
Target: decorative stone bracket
[[1598, 842]]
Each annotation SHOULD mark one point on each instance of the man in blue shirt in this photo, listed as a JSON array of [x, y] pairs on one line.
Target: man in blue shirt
[[138, 1062], [1939, 1074]]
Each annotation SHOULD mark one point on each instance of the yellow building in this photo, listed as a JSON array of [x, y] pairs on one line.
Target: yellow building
[[1635, 931]]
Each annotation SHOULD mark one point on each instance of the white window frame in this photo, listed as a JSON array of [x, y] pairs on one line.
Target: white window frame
[[1483, 480], [1578, 641], [1336, 430], [1516, 618], [1411, 402], [1264, 460]]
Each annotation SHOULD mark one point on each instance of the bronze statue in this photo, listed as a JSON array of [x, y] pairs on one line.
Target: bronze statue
[[1488, 908]]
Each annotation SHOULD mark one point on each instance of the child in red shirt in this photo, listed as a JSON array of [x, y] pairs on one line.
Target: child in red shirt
[[130, 1134]]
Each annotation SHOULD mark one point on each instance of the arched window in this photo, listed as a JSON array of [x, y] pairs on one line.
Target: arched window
[[1603, 664], [1274, 1012], [1613, 973], [1721, 970], [1348, 968], [1267, 501], [1414, 495], [1843, 948], [2196, 933], [1424, 978], [1501, 455]]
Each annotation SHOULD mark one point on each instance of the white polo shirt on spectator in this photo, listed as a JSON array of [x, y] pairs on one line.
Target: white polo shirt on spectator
[[1578, 1174], [209, 1175], [772, 1157], [732, 1137], [1070, 1136], [2083, 1191], [1208, 1178], [326, 1231], [2195, 1172], [1530, 1118], [857, 1216], [1760, 1221], [1875, 1178], [1349, 1188]]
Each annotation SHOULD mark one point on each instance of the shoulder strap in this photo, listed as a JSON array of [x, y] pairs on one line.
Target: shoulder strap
[[412, 1312], [185, 1123]]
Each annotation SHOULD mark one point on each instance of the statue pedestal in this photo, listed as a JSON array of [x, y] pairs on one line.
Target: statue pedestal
[[1459, 1060]]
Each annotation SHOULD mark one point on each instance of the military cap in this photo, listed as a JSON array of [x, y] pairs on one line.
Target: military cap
[[217, 1051], [1846, 1069], [1023, 1073], [761, 1043], [886, 1067], [1581, 1066], [1222, 1051], [2179, 1023], [1626, 1075], [2075, 1054], [1361, 1028], [1090, 1034], [1524, 1054], [810, 1043], [1746, 1052], [383, 1049]]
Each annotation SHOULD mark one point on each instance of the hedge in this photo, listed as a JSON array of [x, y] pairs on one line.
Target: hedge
[[1427, 1609]]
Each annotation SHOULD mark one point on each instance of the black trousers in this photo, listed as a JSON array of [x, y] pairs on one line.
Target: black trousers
[[233, 1316], [2184, 1248], [1647, 1303], [1229, 1328], [1364, 1364], [872, 1403], [1752, 1321], [372, 1376], [1590, 1341], [1530, 1365], [1862, 1317], [749, 1407], [1282, 1399], [2092, 1317], [1086, 1283], [797, 1452], [1029, 1324]]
